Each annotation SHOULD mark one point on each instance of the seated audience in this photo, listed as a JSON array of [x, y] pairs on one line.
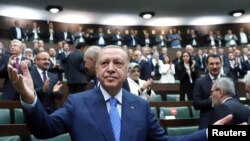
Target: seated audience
[[138, 86], [167, 70]]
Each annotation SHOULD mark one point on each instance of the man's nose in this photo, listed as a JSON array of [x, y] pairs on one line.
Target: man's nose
[[111, 66]]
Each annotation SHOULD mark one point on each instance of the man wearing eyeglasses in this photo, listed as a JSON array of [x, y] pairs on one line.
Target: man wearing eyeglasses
[[224, 102]]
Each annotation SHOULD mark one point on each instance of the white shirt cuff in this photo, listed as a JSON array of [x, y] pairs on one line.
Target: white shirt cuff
[[28, 105]]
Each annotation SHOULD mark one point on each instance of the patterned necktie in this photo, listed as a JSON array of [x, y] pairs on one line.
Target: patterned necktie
[[17, 63], [44, 76], [115, 118]]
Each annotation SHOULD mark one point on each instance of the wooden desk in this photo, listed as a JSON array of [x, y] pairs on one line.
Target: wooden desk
[[164, 88], [171, 104], [179, 122], [15, 129]]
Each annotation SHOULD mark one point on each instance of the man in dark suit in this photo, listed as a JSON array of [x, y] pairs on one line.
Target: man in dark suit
[[17, 32], [90, 60], [202, 90], [117, 38], [132, 39], [46, 84], [74, 70], [144, 65], [224, 103], [34, 34], [65, 35], [89, 115], [100, 38], [50, 34], [16, 57]]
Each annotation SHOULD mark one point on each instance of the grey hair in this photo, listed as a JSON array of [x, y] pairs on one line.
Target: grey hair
[[118, 47], [18, 42], [93, 52], [227, 85]]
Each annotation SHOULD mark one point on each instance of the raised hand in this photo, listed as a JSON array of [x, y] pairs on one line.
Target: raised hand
[[23, 83], [224, 120]]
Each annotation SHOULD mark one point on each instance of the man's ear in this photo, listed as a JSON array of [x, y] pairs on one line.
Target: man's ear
[[221, 93]]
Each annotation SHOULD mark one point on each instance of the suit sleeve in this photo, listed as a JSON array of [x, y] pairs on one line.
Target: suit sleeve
[[44, 126], [199, 101]]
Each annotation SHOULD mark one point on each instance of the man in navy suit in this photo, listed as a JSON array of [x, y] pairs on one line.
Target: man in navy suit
[[224, 102], [85, 115], [46, 84], [17, 32], [16, 57], [202, 90]]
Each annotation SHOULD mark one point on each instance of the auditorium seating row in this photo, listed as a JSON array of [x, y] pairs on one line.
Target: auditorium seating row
[[14, 122]]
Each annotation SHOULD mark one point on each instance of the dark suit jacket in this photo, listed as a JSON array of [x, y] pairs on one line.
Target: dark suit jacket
[[245, 67], [129, 40], [47, 36], [9, 92], [201, 101], [145, 70], [48, 98], [85, 117], [13, 33], [231, 106], [69, 38], [143, 43], [96, 38], [74, 68], [115, 40], [186, 87], [190, 40], [31, 35]]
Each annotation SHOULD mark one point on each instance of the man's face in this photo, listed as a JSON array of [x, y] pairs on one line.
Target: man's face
[[215, 96], [42, 60], [137, 56], [214, 66], [15, 48], [90, 65], [52, 52], [112, 68]]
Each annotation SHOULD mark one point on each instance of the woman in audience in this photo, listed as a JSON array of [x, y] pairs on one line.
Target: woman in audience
[[29, 59], [167, 70], [138, 86], [187, 75]]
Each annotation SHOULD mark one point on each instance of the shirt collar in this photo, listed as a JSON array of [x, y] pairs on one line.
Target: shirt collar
[[19, 56], [107, 96], [226, 99], [40, 71], [212, 77]]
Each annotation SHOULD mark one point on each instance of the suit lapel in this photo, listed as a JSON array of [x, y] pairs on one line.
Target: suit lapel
[[37, 75], [98, 110], [128, 115]]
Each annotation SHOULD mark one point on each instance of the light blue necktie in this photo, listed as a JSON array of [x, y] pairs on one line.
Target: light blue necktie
[[115, 118]]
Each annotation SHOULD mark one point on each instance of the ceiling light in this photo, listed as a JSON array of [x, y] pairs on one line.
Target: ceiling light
[[237, 13], [54, 8], [147, 15]]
